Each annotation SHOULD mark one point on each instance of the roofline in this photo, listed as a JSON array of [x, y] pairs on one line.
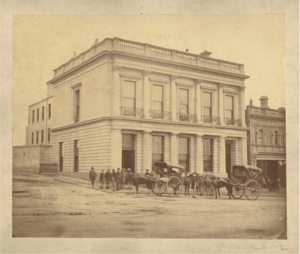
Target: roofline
[[40, 101]]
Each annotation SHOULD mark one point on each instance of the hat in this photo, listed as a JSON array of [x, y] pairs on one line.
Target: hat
[[113, 170], [147, 169], [92, 167]]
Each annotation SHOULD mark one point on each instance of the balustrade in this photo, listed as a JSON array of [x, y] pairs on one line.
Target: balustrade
[[211, 119], [134, 112], [187, 117], [233, 121], [166, 115]]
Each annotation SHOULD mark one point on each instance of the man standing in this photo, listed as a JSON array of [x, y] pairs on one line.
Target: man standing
[[118, 182], [114, 180], [101, 179], [121, 179], [107, 177], [147, 174], [92, 176]]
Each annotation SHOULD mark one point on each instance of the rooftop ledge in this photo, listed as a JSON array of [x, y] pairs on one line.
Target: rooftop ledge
[[143, 49]]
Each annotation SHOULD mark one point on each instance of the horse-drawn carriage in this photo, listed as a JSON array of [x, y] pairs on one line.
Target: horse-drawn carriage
[[244, 181]]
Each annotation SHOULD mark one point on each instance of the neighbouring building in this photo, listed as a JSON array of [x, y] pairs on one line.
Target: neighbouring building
[[267, 137], [124, 104]]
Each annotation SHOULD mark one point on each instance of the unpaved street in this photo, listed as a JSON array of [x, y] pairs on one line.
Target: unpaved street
[[50, 208]]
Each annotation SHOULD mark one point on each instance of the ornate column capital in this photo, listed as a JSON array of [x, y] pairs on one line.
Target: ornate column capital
[[117, 67], [146, 72], [221, 85], [242, 88], [199, 81], [173, 77]]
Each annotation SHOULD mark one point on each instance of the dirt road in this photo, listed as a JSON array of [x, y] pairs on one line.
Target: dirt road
[[50, 208]]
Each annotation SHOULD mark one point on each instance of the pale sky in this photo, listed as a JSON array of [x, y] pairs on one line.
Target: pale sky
[[43, 43]]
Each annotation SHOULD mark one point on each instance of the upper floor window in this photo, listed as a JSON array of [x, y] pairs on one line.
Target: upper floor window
[[207, 104], [229, 107], [275, 138], [37, 137], [157, 101], [43, 113], [49, 111], [32, 116], [129, 94], [77, 105], [260, 137], [37, 114], [183, 101]]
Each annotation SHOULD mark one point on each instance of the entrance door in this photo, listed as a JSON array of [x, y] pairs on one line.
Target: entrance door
[[76, 155], [128, 159], [228, 158]]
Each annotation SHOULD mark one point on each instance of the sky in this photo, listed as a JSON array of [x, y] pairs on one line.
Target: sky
[[42, 43]]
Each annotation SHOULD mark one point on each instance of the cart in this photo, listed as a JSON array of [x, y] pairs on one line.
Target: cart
[[244, 181], [167, 178]]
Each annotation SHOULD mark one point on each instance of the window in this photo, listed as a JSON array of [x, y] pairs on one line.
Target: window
[[260, 137], [37, 137], [32, 116], [37, 114], [77, 105], [49, 133], [49, 111], [207, 104], [43, 113], [229, 107], [275, 138], [157, 102], [207, 155], [157, 149], [32, 138], [183, 101], [183, 149], [61, 156], [76, 155], [129, 94], [42, 136]]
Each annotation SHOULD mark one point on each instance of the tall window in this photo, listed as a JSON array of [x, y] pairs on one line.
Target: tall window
[[32, 138], [77, 105], [183, 101], [129, 94], [42, 136], [157, 149], [61, 156], [157, 101], [32, 116], [275, 138], [76, 155], [43, 113], [49, 133], [183, 147], [49, 111], [207, 104], [37, 137], [207, 155], [260, 137], [37, 114], [229, 107]]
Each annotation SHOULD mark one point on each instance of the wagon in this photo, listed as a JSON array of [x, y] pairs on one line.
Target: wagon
[[244, 181], [167, 178]]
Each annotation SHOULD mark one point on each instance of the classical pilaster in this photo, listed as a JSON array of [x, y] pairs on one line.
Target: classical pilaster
[[174, 148], [116, 100], [147, 93], [198, 100], [199, 154], [242, 106], [221, 103], [173, 97], [146, 151], [215, 155], [222, 155], [116, 148]]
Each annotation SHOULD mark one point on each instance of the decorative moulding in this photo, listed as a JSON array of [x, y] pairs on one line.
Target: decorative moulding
[[130, 76], [76, 86], [185, 84], [159, 80], [208, 88]]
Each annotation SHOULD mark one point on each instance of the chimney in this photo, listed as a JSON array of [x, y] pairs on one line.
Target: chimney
[[205, 53], [264, 102]]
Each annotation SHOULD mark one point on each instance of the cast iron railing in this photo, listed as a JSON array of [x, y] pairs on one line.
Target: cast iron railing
[[134, 112], [211, 119], [187, 117], [161, 114], [232, 121]]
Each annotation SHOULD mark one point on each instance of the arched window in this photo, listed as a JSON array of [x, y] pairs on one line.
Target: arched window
[[275, 138], [260, 135]]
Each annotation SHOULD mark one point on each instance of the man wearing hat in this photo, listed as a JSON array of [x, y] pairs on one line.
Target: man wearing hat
[[147, 174], [107, 177], [92, 176], [114, 180], [118, 182], [101, 179]]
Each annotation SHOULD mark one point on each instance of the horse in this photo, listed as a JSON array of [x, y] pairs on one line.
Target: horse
[[213, 184], [193, 182], [128, 178], [141, 180]]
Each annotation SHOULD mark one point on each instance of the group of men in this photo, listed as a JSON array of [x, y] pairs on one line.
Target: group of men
[[117, 178]]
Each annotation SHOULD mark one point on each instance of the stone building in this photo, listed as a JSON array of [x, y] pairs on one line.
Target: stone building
[[124, 104], [266, 146]]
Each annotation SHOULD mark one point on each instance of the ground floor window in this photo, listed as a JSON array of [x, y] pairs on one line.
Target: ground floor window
[[207, 155], [183, 152], [61, 156], [128, 151], [157, 149], [76, 155]]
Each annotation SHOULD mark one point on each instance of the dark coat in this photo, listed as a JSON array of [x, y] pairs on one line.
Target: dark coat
[[101, 178], [92, 175], [107, 176], [147, 174], [114, 175]]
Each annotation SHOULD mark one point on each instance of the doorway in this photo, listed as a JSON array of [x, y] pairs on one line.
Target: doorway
[[128, 151], [61, 156], [228, 158]]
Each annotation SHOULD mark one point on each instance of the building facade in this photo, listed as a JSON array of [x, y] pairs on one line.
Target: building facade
[[267, 140], [123, 104]]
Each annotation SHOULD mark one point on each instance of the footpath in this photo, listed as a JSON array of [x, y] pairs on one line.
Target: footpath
[[127, 190]]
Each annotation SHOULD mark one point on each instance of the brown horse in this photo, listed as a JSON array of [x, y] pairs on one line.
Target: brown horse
[[213, 184], [193, 182], [142, 180]]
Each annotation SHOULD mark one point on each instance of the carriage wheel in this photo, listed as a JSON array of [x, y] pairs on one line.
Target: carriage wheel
[[159, 188], [252, 189], [237, 192], [174, 186]]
